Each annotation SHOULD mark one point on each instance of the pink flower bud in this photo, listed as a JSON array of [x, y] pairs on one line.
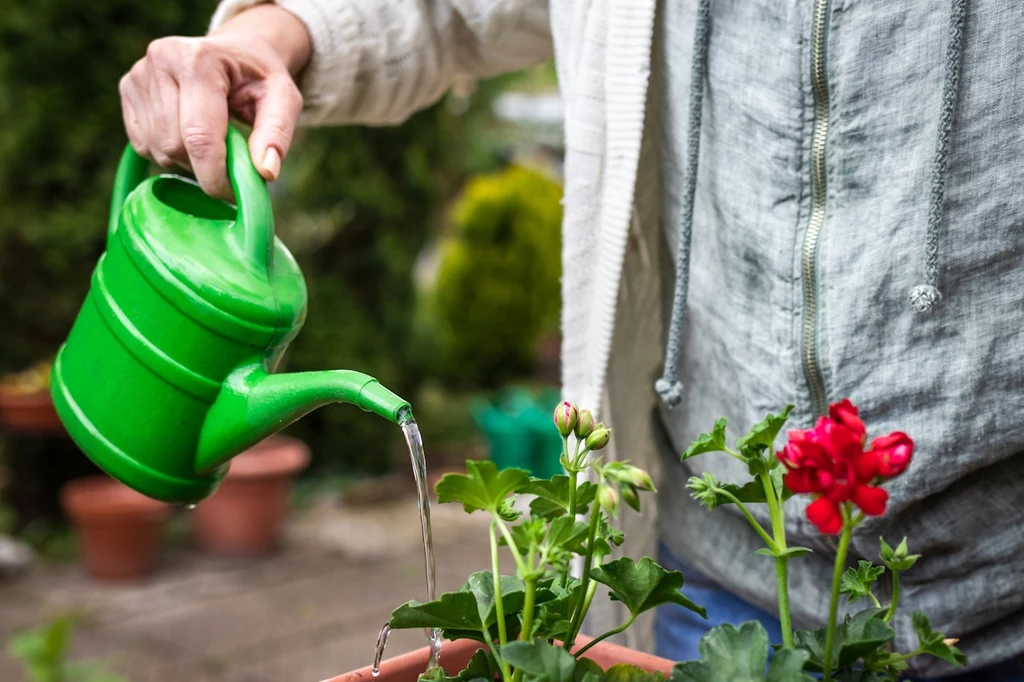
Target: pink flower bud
[[599, 437], [566, 415], [608, 500], [584, 424]]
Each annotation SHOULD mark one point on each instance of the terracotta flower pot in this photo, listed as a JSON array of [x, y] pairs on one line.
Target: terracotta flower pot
[[29, 413], [245, 517], [455, 656], [119, 529]]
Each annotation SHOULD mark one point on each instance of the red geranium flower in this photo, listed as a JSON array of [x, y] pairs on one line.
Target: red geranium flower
[[829, 461]]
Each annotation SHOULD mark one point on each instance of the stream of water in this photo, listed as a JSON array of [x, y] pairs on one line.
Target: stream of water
[[419, 470]]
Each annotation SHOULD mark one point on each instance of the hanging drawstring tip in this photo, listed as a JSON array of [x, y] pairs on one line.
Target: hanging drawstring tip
[[925, 298], [671, 392]]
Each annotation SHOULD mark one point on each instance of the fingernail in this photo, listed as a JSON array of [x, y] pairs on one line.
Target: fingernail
[[272, 162]]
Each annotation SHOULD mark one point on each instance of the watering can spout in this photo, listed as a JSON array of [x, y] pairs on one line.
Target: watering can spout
[[253, 404]]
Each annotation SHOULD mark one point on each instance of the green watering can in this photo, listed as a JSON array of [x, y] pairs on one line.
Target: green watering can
[[167, 372]]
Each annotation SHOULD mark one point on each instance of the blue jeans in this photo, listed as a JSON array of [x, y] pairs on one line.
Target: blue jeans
[[677, 631]]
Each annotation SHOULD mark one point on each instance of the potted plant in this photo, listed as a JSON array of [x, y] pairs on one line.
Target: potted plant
[[25, 403], [245, 517], [119, 530], [525, 627], [43, 652]]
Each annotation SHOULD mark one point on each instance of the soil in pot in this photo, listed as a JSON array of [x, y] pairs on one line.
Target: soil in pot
[[245, 517], [118, 528], [455, 656]]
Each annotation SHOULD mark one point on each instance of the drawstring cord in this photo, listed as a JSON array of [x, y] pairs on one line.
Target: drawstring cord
[[925, 297], [668, 386]]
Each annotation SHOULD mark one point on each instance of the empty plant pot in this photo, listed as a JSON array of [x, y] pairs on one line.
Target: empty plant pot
[[245, 517], [119, 529]]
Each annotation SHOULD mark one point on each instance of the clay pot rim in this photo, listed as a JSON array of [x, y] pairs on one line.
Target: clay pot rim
[[408, 666], [94, 498], [40, 398], [273, 457]]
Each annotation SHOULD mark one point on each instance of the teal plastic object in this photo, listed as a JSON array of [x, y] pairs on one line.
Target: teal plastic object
[[167, 372], [520, 432]]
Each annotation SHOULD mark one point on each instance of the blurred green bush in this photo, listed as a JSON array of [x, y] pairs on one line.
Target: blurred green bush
[[497, 290]]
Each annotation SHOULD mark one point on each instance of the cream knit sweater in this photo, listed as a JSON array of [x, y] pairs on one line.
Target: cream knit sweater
[[377, 61]]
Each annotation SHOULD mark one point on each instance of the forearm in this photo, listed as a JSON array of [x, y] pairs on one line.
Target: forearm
[[280, 29], [379, 61]]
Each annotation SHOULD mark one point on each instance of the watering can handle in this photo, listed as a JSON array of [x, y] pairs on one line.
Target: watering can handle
[[255, 216]]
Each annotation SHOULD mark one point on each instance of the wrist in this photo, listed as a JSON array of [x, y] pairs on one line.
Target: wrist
[[283, 32]]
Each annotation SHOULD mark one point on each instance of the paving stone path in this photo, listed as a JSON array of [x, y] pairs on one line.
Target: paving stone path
[[308, 613]]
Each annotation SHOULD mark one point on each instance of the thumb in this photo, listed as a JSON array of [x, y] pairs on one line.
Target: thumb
[[277, 112]]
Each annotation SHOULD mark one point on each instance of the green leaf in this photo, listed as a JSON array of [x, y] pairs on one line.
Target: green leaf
[[482, 487], [897, 559], [777, 474], [540, 661], [764, 432], [860, 635], [857, 582], [756, 464], [790, 552], [472, 608], [643, 585], [553, 496], [935, 643], [567, 534], [43, 649], [709, 492], [708, 442], [527, 535], [588, 671], [480, 667], [862, 675], [623, 672], [608, 538], [729, 654]]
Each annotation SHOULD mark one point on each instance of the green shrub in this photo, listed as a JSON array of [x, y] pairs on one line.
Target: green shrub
[[497, 288]]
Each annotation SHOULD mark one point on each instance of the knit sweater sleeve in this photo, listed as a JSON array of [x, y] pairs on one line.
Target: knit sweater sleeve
[[377, 62]]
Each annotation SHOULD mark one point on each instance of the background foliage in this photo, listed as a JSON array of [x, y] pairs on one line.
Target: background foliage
[[356, 205]]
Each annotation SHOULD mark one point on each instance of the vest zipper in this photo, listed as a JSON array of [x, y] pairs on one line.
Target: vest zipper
[[819, 85]]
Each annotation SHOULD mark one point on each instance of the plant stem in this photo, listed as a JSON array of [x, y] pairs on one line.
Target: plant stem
[[897, 658], [573, 482], [837, 575], [588, 598], [750, 519], [777, 511], [621, 628], [577, 616], [499, 607], [895, 597], [528, 608], [513, 547], [782, 579]]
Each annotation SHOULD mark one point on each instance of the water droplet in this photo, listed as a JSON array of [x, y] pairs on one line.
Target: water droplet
[[375, 672]]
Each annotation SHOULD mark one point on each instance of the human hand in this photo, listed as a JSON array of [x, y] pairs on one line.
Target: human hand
[[176, 100]]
